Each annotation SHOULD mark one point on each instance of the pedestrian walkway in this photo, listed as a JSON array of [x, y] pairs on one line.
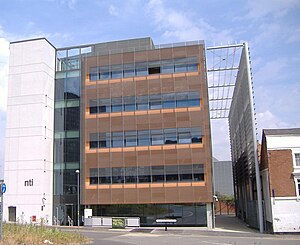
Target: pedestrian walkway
[[230, 223]]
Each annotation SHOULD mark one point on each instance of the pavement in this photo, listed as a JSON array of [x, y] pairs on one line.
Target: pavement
[[229, 231]]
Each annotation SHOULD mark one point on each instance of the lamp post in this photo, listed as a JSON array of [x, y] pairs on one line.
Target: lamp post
[[78, 204]]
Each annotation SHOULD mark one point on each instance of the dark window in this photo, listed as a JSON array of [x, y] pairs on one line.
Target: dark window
[[131, 175], [72, 150], [196, 134], [104, 140], [153, 70], [72, 118], [172, 173], [105, 176], [93, 107], [158, 173], [198, 172], [93, 176], [94, 140], [117, 175], [104, 105], [170, 136], [185, 172], [144, 175]]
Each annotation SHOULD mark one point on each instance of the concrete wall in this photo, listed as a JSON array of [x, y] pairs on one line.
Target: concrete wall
[[286, 214], [28, 170]]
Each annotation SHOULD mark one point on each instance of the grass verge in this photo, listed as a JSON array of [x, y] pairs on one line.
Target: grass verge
[[30, 234]]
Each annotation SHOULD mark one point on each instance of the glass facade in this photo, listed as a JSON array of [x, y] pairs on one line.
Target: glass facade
[[67, 134], [193, 214]]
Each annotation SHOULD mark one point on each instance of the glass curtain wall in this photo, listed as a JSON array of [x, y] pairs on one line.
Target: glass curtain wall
[[67, 134]]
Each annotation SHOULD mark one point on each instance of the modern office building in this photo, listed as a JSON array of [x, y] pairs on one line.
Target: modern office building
[[131, 116]]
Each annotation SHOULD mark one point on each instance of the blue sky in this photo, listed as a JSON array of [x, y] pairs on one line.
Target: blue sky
[[271, 27]]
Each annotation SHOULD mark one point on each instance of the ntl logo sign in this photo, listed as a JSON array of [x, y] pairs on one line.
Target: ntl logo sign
[[28, 182]]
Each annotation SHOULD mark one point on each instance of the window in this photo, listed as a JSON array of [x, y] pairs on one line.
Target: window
[[130, 138], [198, 172], [94, 74], [117, 175], [131, 175], [298, 185], [144, 174], [143, 138], [147, 174], [155, 101], [182, 100], [171, 173], [104, 140], [128, 70], [104, 73], [185, 173], [116, 104], [297, 159], [94, 176], [93, 107], [196, 134], [169, 101], [157, 137], [170, 136], [104, 105], [116, 71], [158, 173], [141, 69], [117, 139], [184, 136], [105, 175], [93, 140], [129, 103]]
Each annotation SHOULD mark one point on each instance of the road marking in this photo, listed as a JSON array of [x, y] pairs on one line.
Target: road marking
[[217, 243]]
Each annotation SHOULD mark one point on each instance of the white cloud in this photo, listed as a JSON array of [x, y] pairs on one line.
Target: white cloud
[[113, 11], [259, 9], [177, 25], [272, 70], [267, 120]]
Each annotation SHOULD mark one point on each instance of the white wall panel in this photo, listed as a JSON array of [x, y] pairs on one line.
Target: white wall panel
[[29, 137]]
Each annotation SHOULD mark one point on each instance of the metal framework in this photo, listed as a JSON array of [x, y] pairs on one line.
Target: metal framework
[[222, 68], [231, 96]]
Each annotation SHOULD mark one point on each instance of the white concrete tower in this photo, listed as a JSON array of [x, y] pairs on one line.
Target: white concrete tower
[[28, 170]]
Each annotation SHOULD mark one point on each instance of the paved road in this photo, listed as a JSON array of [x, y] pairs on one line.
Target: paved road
[[229, 230]]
